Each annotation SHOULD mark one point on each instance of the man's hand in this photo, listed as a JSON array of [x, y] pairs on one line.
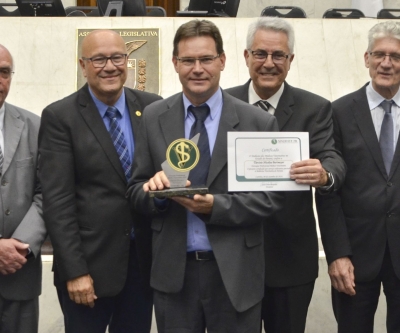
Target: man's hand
[[309, 172], [158, 182], [81, 290], [12, 255], [341, 272], [201, 203]]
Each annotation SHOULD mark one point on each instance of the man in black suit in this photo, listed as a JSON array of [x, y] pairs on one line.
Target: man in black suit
[[361, 222], [290, 238], [208, 263], [86, 145]]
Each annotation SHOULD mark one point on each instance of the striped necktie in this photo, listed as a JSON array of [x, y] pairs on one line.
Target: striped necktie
[[263, 105], [386, 138], [119, 142]]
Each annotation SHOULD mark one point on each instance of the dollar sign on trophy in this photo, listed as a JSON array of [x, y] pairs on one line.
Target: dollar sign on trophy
[[182, 156]]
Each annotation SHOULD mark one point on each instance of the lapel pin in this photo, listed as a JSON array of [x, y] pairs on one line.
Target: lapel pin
[[138, 113]]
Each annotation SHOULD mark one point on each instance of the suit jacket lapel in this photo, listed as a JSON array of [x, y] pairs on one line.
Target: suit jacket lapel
[[283, 110], [13, 126], [228, 122], [93, 120], [135, 111], [172, 120], [362, 114]]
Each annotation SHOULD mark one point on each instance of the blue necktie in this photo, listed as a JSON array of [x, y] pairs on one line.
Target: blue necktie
[[386, 137], [119, 142], [198, 175]]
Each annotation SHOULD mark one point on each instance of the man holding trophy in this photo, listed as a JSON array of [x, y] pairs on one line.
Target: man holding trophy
[[208, 261]]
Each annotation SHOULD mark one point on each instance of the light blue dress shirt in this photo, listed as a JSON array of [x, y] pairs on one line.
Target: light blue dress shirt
[[197, 239], [124, 119]]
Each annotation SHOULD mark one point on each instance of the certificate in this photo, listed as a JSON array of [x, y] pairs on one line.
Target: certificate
[[260, 161]]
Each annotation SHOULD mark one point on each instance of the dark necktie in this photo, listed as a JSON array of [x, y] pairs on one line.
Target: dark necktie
[[386, 137], [263, 105], [198, 175], [119, 142], [1, 161]]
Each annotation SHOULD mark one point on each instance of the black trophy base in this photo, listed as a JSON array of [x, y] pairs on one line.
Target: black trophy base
[[178, 191]]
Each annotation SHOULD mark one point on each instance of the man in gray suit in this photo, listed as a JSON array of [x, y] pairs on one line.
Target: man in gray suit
[[21, 225], [290, 238], [208, 265]]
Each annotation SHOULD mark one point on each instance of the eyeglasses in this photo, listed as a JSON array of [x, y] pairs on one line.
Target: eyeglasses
[[204, 61], [278, 57], [6, 73], [100, 62], [380, 56]]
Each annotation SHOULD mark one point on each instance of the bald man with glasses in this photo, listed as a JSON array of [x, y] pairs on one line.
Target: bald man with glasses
[[102, 253]]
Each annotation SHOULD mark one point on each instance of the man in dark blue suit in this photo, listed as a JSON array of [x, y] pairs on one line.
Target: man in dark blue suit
[[360, 224]]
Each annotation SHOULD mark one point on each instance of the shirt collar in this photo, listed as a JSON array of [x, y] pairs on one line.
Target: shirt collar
[[2, 111], [120, 104], [375, 99], [213, 102], [273, 100]]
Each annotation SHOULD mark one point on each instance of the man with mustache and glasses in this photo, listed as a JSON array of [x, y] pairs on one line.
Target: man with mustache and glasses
[[290, 237], [361, 222], [102, 252]]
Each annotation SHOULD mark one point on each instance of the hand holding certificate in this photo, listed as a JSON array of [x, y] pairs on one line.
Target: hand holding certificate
[[261, 161]]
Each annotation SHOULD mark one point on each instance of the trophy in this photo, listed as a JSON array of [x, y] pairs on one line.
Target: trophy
[[182, 156]]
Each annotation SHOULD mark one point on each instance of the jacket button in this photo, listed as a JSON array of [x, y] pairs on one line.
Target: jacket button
[[3, 182], [388, 214], [7, 212], [390, 184]]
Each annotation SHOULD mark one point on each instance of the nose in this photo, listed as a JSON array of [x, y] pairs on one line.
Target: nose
[[109, 65], [387, 61], [268, 61], [197, 67]]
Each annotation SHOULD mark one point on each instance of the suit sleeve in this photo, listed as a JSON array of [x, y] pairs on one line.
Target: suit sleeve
[[57, 175], [332, 223], [32, 229], [322, 144]]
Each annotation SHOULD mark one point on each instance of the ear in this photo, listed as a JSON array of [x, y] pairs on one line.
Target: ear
[[222, 58], [366, 59], [175, 62], [291, 59], [246, 54], [83, 67]]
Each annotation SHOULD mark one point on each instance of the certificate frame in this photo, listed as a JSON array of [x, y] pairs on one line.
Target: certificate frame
[[260, 161]]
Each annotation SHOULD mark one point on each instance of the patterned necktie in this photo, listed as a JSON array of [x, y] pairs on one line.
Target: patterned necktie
[[198, 175], [263, 105], [386, 137], [119, 142], [1, 161]]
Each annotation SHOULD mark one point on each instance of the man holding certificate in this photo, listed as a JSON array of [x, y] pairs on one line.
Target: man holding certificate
[[208, 258], [291, 245]]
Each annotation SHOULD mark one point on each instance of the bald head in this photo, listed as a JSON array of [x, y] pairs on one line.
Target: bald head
[[103, 37], [6, 68]]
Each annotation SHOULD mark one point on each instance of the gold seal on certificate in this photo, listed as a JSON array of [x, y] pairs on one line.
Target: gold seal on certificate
[[182, 156]]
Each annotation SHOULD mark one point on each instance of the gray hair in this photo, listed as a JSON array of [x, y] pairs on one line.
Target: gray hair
[[271, 23], [381, 30]]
